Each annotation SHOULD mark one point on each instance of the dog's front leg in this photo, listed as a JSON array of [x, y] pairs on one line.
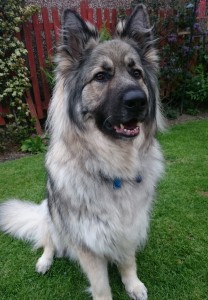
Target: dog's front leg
[[134, 287], [96, 269]]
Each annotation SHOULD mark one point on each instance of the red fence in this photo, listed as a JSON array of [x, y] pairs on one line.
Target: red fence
[[201, 13], [40, 36]]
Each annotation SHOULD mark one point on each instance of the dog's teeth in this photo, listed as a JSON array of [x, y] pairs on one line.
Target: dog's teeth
[[121, 126]]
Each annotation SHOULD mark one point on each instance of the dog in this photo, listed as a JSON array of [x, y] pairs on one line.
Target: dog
[[103, 161]]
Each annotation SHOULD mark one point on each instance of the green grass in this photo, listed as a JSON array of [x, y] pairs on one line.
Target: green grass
[[174, 263]]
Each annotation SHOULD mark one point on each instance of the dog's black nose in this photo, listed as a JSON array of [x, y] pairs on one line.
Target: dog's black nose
[[135, 99]]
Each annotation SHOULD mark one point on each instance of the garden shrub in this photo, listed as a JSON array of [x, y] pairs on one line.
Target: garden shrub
[[104, 33], [34, 145], [14, 75], [184, 58], [197, 87]]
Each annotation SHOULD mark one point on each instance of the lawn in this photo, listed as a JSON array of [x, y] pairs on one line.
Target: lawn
[[174, 263]]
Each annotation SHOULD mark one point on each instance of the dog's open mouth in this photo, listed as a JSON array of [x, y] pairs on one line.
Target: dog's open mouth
[[129, 129]]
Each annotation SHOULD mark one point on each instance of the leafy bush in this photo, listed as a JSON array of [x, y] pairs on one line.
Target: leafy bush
[[104, 33], [14, 75], [197, 86], [34, 145]]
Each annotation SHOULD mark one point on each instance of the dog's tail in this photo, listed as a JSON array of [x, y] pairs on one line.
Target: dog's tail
[[25, 220]]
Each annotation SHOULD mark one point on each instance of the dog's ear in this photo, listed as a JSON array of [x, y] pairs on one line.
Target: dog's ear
[[137, 27], [76, 34]]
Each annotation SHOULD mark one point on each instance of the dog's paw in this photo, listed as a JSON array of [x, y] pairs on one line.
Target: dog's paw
[[43, 265], [138, 291]]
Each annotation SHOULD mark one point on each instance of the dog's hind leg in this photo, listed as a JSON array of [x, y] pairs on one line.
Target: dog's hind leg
[[96, 269], [134, 287], [45, 261]]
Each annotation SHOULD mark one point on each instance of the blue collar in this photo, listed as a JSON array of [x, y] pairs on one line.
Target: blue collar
[[117, 182]]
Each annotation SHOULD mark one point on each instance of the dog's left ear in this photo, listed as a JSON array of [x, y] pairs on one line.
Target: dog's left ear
[[137, 27]]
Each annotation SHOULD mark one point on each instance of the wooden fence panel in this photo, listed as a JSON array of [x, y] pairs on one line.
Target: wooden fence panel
[[47, 30], [41, 59], [33, 71]]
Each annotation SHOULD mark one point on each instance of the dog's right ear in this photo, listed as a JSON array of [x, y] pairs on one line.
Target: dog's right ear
[[76, 34]]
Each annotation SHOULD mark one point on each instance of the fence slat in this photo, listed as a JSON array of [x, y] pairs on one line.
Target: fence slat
[[41, 59], [201, 12], [161, 13], [107, 18], [128, 11], [56, 23], [83, 10], [90, 15], [3, 112], [33, 113], [114, 19], [33, 72], [2, 122], [47, 31], [99, 21]]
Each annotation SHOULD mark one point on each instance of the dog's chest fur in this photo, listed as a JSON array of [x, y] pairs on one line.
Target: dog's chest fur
[[108, 221]]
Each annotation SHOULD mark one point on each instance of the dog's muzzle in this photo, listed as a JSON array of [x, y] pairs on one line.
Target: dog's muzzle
[[134, 111], [123, 115]]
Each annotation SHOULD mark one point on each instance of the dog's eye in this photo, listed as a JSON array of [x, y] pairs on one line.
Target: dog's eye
[[137, 73], [101, 76]]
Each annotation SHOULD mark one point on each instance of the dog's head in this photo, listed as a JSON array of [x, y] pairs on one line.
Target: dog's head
[[110, 84]]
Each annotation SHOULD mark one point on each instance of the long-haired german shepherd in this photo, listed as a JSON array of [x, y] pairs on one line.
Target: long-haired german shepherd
[[103, 161]]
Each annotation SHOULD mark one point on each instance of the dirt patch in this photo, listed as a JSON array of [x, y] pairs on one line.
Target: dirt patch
[[204, 194], [186, 118], [12, 155], [11, 152]]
